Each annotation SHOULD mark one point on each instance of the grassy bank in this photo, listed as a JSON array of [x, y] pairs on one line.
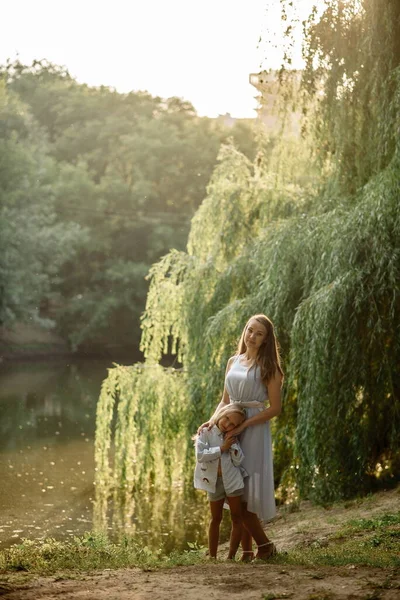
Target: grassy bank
[[88, 553], [373, 542]]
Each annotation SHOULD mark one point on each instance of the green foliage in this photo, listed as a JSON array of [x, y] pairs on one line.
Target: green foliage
[[376, 523], [348, 374], [150, 424], [33, 244], [352, 73], [364, 542], [148, 436], [223, 215], [329, 281], [372, 542], [91, 551], [319, 254], [127, 169]]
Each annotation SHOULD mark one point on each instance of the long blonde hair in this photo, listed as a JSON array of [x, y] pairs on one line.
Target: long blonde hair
[[268, 357]]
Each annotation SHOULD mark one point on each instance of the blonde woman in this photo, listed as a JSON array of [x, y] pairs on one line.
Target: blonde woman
[[253, 381]]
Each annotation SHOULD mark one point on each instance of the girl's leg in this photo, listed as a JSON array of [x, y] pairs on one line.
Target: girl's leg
[[235, 505], [213, 530]]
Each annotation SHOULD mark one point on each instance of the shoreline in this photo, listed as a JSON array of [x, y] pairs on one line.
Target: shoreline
[[348, 550]]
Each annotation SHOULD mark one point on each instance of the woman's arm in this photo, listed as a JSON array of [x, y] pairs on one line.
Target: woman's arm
[[274, 387], [223, 402], [225, 397]]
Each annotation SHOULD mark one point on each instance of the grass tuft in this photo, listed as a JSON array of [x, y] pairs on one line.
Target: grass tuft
[[360, 542], [365, 542], [90, 552]]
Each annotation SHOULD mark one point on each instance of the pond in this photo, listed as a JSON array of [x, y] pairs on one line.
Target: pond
[[47, 429]]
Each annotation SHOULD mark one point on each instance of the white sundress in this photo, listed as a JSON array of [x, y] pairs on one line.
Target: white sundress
[[244, 386]]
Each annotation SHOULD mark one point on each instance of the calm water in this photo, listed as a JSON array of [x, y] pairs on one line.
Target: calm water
[[47, 427]]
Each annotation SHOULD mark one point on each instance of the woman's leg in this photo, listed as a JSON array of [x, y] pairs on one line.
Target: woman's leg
[[213, 530], [235, 505], [247, 545], [247, 539], [254, 528]]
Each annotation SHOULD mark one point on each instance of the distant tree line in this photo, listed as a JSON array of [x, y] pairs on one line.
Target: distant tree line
[[95, 186]]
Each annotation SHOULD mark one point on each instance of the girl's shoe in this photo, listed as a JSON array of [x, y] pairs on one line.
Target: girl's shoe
[[269, 550]]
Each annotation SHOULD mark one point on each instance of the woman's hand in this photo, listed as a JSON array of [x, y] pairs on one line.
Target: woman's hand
[[237, 431], [207, 424]]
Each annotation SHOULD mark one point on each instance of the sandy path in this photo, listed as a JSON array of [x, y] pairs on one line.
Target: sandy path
[[218, 582]]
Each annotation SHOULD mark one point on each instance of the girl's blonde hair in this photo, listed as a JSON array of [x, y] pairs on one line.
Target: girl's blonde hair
[[222, 412], [268, 357], [228, 410]]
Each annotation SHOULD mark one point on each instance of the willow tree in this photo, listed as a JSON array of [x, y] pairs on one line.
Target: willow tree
[[352, 54], [319, 256], [242, 258], [328, 278], [348, 373]]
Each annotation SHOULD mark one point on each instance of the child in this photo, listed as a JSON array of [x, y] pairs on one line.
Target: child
[[218, 472]]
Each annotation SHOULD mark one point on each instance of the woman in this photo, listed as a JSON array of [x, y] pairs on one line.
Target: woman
[[253, 376]]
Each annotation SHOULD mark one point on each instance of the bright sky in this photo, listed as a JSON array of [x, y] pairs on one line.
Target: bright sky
[[200, 50]]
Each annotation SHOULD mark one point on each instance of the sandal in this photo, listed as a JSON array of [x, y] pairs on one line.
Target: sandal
[[270, 551], [247, 556]]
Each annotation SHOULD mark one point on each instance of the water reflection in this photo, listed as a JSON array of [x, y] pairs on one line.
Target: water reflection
[[46, 448], [47, 429], [163, 519], [47, 402]]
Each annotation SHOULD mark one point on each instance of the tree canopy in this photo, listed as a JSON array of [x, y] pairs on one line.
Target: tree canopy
[[121, 173]]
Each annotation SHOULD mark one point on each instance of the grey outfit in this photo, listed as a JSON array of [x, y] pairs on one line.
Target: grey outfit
[[244, 386], [208, 455]]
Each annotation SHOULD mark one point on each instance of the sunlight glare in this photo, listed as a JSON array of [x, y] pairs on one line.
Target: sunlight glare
[[203, 52]]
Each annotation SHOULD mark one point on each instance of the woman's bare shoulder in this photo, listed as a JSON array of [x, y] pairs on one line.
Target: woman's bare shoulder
[[230, 361], [275, 381]]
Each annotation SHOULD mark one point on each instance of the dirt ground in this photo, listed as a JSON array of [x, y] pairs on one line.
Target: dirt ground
[[221, 580]]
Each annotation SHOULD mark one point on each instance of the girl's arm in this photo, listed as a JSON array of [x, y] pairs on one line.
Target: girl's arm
[[274, 387], [205, 452]]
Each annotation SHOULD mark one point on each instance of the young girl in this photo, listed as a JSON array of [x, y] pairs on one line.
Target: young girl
[[253, 381], [218, 472]]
